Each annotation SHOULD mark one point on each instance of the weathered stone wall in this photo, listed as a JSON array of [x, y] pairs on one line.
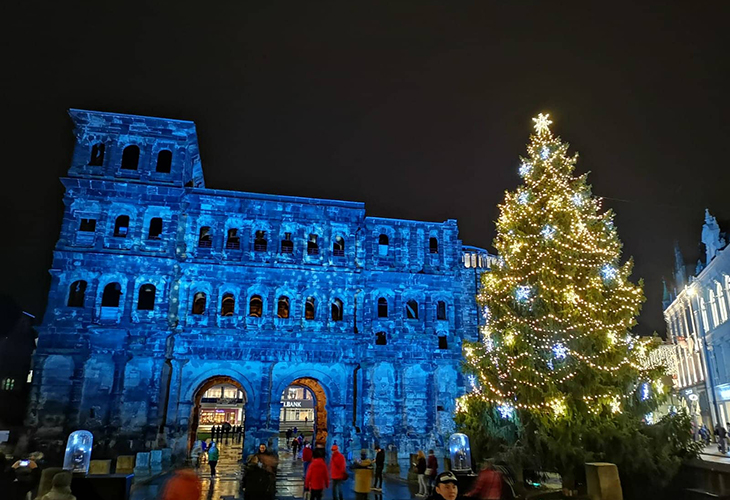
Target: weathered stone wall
[[387, 364]]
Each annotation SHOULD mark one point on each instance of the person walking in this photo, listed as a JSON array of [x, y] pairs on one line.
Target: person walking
[[294, 447], [213, 455], [432, 465], [317, 478], [421, 470], [379, 466], [488, 485], [288, 438], [339, 472], [306, 456], [721, 434]]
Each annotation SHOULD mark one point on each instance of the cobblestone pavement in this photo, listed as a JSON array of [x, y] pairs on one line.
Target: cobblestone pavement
[[289, 481]]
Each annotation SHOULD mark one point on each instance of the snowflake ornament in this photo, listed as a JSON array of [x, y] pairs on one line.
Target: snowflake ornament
[[548, 232], [522, 293], [609, 272], [523, 198], [525, 169], [545, 154], [577, 199], [560, 351], [506, 411]]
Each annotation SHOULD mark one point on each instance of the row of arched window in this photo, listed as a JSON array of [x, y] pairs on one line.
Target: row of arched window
[[130, 158], [147, 293], [286, 245]]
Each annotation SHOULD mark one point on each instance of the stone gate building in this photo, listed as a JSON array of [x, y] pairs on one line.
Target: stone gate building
[[162, 287]]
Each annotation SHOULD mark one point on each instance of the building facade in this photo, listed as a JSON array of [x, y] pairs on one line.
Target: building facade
[[163, 288], [696, 313]]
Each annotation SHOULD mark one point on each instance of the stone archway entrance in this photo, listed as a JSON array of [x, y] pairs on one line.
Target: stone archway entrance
[[320, 407], [219, 399]]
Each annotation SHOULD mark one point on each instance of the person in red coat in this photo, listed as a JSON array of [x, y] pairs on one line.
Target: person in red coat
[[339, 472], [306, 456], [317, 478]]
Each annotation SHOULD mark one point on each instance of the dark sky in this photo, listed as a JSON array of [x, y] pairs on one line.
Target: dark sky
[[419, 109]]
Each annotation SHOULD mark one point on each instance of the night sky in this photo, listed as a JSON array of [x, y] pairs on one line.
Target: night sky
[[419, 109]]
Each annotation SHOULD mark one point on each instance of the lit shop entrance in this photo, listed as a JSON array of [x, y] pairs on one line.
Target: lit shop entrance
[[303, 407], [219, 412]]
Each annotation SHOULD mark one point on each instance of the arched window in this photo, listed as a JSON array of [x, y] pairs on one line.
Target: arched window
[[146, 299], [199, 300], [228, 304], [287, 245], [76, 294], [338, 247], [110, 295], [259, 242], [164, 161], [255, 306], [97, 155], [121, 226], [412, 309], [383, 245], [312, 245], [8, 384], [440, 310], [381, 338], [310, 308], [705, 321], [433, 245], [233, 242], [713, 308], [337, 310], [382, 307], [205, 239], [467, 260], [721, 303], [282, 307], [130, 157], [155, 228]]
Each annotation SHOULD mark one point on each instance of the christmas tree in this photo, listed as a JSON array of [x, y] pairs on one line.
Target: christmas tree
[[557, 373]]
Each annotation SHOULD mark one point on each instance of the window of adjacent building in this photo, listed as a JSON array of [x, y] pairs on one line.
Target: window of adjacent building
[[233, 241], [721, 303], [467, 260], [146, 299], [287, 245], [381, 338], [382, 307], [412, 309], [155, 228], [259, 242], [228, 304], [130, 157], [87, 225], [282, 307], [705, 320], [383, 245], [337, 310], [8, 384], [255, 306], [440, 310], [205, 239], [76, 293], [164, 161], [110, 295], [713, 308], [97, 155], [338, 247], [433, 245], [310, 308], [443, 342], [199, 300], [121, 226], [312, 246]]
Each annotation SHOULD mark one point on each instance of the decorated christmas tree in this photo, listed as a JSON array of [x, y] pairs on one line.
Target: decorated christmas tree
[[557, 374]]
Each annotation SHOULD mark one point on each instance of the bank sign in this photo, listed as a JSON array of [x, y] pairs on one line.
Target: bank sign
[[307, 403]]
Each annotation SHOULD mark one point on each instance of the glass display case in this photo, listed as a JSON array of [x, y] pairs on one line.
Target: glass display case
[[78, 452], [460, 452]]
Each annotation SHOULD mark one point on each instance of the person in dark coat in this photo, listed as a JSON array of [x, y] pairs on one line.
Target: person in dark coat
[[432, 469], [379, 466]]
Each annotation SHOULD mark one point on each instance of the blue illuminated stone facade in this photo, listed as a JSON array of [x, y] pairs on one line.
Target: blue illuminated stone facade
[[160, 285]]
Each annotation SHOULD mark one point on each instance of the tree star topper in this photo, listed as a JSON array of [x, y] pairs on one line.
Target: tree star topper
[[542, 123]]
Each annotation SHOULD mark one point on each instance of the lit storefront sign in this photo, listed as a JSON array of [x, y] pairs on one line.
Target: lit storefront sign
[[724, 392]]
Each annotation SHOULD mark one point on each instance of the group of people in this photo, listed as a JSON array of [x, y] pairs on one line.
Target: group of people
[[427, 470], [721, 435], [295, 442], [225, 430], [208, 449]]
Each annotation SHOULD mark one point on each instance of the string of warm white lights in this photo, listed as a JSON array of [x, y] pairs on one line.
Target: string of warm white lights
[[557, 304]]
